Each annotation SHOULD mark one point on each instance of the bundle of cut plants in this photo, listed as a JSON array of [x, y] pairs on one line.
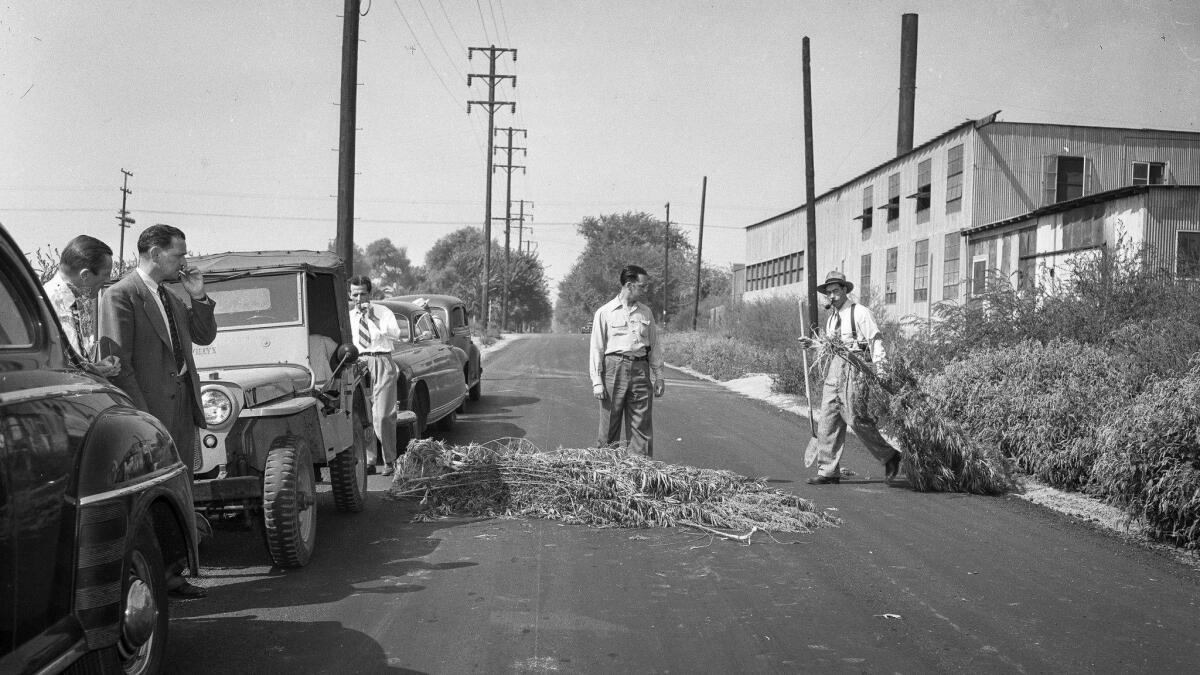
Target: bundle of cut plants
[[600, 487], [939, 454]]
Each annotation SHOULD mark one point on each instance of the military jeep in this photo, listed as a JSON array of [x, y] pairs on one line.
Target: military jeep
[[281, 396]]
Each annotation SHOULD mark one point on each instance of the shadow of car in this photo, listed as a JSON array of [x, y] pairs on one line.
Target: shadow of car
[[432, 384], [454, 328], [95, 503]]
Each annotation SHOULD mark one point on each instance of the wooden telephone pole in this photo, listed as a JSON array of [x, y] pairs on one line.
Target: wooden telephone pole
[[491, 105]]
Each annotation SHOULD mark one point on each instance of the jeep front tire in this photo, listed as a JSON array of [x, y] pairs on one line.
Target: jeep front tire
[[289, 503]]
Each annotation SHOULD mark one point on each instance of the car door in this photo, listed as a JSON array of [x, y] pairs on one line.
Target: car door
[[443, 371], [36, 452]]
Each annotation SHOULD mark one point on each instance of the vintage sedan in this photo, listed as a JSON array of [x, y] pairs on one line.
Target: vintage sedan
[[94, 502], [431, 383], [451, 312]]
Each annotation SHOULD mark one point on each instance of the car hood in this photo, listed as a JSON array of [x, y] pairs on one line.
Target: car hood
[[262, 384]]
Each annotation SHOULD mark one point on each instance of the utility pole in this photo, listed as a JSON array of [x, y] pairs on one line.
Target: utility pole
[[492, 105], [699, 251], [508, 166], [349, 101], [666, 261], [810, 190], [521, 223], [123, 219]]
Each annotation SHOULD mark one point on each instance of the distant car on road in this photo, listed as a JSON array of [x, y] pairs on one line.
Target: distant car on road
[[453, 314], [94, 502], [432, 384]]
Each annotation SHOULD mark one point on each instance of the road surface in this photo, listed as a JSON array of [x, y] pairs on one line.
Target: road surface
[[909, 583]]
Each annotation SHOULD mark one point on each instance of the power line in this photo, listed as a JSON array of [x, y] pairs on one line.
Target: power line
[[426, 55], [484, 24], [461, 45], [439, 40]]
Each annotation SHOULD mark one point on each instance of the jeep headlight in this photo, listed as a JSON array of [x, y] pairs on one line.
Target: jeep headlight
[[217, 406]]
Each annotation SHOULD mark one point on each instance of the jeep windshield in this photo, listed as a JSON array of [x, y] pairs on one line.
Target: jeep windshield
[[256, 301]]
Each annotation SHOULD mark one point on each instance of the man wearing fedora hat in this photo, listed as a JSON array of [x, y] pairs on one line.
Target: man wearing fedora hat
[[855, 325]]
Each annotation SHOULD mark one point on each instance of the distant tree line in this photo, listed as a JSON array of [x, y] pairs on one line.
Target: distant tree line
[[616, 240]]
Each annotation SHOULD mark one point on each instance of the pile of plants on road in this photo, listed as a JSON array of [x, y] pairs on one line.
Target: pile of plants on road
[[1090, 382], [600, 487]]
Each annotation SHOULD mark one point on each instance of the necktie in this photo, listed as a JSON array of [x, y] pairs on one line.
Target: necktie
[[364, 331], [176, 348]]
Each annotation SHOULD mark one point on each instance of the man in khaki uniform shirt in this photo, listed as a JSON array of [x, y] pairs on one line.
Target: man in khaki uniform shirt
[[625, 364]]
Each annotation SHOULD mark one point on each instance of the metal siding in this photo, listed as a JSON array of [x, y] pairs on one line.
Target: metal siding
[[1170, 211], [1002, 178]]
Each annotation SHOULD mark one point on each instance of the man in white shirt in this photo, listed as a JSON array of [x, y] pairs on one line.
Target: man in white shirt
[[625, 364], [84, 266], [855, 325], [373, 329]]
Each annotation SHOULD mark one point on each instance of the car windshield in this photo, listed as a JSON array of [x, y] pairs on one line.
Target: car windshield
[[270, 300]]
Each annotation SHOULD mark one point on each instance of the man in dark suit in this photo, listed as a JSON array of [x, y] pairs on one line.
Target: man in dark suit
[[151, 331]]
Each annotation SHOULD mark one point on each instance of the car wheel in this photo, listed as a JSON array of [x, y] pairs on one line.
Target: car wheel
[[289, 503], [348, 470], [144, 616]]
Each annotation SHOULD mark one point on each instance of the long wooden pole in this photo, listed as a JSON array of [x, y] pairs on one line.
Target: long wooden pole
[[699, 252], [810, 207]]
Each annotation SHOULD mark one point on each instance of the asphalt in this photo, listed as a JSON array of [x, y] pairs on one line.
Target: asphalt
[[909, 582]]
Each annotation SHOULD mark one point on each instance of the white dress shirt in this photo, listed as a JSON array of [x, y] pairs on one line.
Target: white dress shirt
[[382, 326]]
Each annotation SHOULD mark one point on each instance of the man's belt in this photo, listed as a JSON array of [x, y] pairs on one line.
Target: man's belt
[[626, 357], [374, 353]]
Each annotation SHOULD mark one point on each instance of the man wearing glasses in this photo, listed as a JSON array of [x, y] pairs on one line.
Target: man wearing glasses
[[625, 364]]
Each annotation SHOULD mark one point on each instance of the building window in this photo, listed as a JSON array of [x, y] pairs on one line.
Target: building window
[[950, 271], [1187, 255], [1062, 178], [1149, 173], [921, 271], [954, 178], [924, 189], [889, 289], [1026, 258], [867, 207], [893, 203], [864, 277]]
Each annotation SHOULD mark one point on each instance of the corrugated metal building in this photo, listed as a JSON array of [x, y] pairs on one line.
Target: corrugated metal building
[[898, 229]]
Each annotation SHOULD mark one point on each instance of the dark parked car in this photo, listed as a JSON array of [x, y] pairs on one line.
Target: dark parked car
[[94, 502], [451, 314]]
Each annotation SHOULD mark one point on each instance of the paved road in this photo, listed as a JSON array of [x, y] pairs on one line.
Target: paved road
[[909, 583]]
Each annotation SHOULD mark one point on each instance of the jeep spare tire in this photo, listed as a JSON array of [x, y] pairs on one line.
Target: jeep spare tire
[[289, 503]]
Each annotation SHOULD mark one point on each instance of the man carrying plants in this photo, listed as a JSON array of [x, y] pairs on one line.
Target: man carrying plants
[[855, 341]]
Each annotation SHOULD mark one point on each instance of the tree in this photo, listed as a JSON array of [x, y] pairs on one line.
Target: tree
[[454, 266], [614, 241], [391, 268]]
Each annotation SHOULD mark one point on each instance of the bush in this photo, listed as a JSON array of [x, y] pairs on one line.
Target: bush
[[1037, 404], [718, 357], [1149, 459]]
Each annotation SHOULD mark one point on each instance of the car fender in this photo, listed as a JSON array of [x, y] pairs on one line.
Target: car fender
[[128, 469]]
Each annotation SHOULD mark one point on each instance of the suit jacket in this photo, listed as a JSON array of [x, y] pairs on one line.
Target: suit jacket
[[131, 327]]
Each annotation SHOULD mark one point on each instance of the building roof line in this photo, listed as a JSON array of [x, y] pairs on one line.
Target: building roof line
[[979, 123], [1085, 200]]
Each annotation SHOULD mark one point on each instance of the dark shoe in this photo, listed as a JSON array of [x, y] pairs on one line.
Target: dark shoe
[[387, 470], [892, 467], [824, 480], [186, 591]]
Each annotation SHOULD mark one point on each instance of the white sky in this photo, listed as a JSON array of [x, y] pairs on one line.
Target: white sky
[[226, 112]]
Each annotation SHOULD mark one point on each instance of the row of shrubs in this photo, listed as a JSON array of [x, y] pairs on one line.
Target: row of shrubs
[[1092, 384]]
